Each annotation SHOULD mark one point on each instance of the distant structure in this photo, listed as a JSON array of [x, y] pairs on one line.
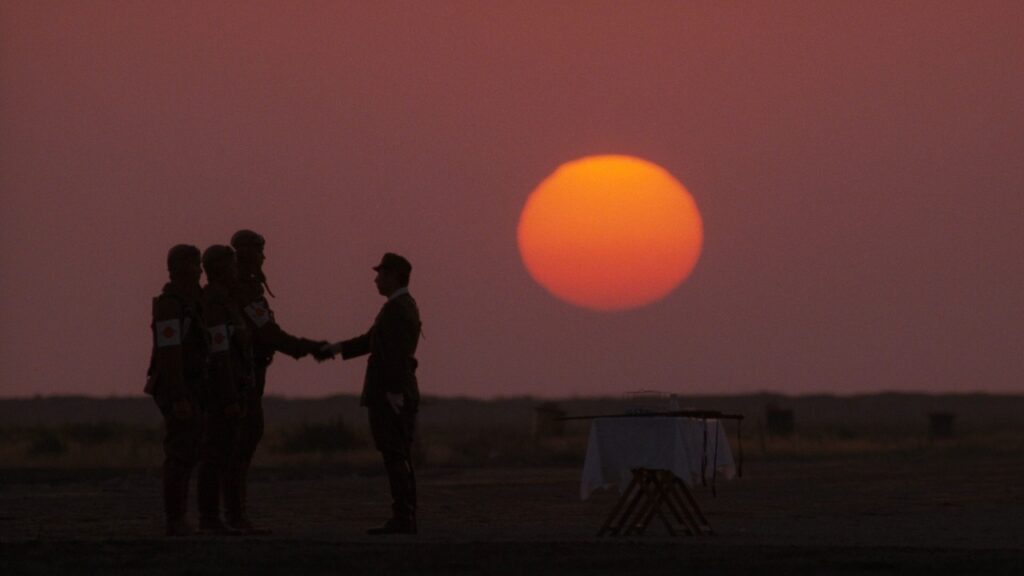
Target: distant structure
[[940, 425], [641, 401], [546, 421], [780, 422]]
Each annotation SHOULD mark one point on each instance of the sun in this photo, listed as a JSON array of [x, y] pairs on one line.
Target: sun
[[610, 232]]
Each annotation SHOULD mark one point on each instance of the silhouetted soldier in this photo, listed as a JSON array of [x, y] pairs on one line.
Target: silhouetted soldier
[[268, 338], [229, 379], [390, 391], [176, 378]]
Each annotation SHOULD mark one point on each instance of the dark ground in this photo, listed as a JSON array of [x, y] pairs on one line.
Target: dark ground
[[925, 511]]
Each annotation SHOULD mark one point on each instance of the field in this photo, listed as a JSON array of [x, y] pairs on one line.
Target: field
[[865, 490]]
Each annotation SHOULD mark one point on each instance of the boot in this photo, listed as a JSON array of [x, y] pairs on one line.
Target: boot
[[208, 488], [235, 495], [402, 481], [214, 525], [176, 478], [395, 526]]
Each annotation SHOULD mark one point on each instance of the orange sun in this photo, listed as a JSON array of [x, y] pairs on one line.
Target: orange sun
[[610, 232]]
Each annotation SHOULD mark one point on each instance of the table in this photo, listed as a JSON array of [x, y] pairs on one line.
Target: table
[[653, 460]]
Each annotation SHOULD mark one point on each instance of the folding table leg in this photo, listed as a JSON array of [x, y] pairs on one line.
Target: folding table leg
[[677, 506], [633, 509], [657, 496], [647, 504], [702, 522], [609, 523], [681, 510], [649, 492]]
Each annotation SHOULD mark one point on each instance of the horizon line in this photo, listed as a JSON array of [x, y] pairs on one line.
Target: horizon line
[[499, 398]]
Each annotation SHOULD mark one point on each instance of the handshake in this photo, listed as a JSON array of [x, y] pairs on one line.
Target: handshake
[[320, 350]]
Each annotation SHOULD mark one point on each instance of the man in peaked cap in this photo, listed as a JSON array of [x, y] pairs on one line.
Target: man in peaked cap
[[390, 390], [267, 338]]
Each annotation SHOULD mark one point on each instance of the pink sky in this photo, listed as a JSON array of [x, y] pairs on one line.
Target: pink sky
[[858, 167]]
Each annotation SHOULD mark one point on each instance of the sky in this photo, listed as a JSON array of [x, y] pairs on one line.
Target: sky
[[857, 167]]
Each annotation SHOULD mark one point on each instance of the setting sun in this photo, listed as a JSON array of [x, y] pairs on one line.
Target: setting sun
[[610, 232]]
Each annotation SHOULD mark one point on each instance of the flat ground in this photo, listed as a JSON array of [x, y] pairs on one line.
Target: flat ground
[[924, 511]]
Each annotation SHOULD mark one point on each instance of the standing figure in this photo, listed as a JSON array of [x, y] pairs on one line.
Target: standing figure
[[390, 391], [267, 338], [175, 378], [229, 380]]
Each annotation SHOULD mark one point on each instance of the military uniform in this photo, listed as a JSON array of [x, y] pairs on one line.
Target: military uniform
[[391, 370], [267, 338], [230, 377], [176, 375]]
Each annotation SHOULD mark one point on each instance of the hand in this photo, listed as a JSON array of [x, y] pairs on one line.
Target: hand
[[233, 410], [182, 409], [307, 347], [323, 351], [397, 401]]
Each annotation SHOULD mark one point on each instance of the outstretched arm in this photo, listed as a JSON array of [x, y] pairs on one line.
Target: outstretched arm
[[271, 335], [351, 348]]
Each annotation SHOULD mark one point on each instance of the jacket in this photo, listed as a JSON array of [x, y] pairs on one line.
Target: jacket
[[391, 343]]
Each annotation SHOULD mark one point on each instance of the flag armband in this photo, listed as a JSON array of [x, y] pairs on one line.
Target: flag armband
[[168, 333], [219, 341], [258, 313]]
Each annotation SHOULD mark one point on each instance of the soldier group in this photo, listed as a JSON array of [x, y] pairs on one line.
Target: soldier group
[[211, 349]]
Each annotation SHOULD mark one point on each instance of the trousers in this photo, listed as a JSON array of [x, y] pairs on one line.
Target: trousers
[[393, 436]]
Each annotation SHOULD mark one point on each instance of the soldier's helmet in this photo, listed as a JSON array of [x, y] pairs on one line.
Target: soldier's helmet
[[217, 259], [245, 238], [180, 256]]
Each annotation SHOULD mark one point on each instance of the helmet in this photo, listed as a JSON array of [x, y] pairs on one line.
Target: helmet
[[217, 259], [181, 255], [246, 238]]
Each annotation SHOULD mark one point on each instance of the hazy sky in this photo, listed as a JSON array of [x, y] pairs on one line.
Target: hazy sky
[[859, 167]]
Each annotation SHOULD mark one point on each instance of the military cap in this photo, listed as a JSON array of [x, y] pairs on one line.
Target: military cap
[[181, 255], [245, 237], [216, 258], [394, 262]]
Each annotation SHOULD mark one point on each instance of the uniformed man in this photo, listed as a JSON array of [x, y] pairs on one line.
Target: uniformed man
[[267, 338], [176, 378], [390, 390], [229, 379]]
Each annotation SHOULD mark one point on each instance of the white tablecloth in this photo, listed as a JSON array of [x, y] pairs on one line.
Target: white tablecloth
[[618, 445]]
